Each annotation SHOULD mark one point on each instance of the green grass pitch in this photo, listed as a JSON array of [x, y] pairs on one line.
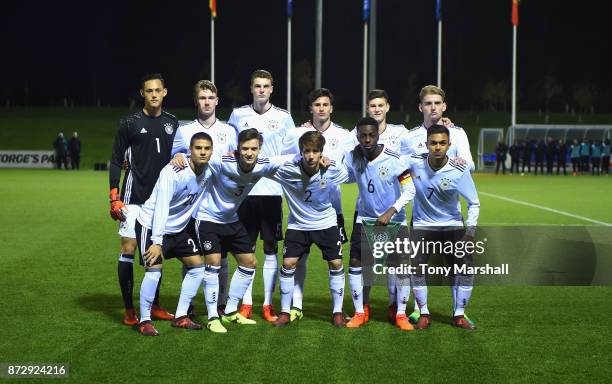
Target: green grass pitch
[[61, 303]]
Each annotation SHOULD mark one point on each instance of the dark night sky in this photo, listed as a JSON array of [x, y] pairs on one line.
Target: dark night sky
[[85, 52]]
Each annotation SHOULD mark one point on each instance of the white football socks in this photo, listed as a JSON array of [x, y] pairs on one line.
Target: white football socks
[[211, 290], [191, 283], [300, 278], [287, 284], [336, 288], [356, 286], [269, 277], [240, 282], [223, 278], [147, 292]]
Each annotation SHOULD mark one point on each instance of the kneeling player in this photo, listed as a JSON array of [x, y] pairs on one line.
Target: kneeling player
[[312, 219], [161, 231], [384, 190], [436, 216], [217, 225]]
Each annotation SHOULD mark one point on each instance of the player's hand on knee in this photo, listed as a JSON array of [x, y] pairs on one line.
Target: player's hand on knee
[[118, 210], [152, 254], [179, 161]]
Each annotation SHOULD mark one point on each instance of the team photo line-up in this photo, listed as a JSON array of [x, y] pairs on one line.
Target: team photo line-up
[[198, 191]]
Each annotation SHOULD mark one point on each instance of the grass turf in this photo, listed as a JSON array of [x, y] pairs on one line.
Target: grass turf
[[62, 304]]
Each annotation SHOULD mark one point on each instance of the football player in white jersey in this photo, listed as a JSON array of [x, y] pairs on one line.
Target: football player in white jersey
[[217, 225], [161, 228], [436, 216], [393, 137], [337, 143], [206, 99], [262, 213], [309, 190], [432, 105], [385, 188]]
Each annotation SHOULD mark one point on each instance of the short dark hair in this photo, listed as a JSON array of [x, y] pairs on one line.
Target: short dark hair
[[321, 92], [377, 93], [200, 136], [437, 128], [366, 121], [249, 134], [312, 138], [152, 76]]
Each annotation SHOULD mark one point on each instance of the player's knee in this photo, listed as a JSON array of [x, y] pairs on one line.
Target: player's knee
[[335, 264], [465, 280], [128, 246], [290, 263], [355, 263], [248, 262], [418, 280]]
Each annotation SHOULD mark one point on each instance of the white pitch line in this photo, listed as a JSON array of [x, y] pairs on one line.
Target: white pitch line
[[546, 209]]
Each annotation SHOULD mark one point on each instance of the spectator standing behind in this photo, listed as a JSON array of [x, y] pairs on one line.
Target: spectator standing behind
[[515, 155], [539, 156], [527, 151], [61, 147], [561, 157], [596, 157], [575, 156], [74, 148], [501, 150], [551, 152], [584, 155], [605, 157]]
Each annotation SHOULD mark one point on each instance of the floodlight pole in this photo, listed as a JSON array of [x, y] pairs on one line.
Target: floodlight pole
[[440, 53], [212, 49], [513, 117], [318, 43], [289, 64], [364, 91]]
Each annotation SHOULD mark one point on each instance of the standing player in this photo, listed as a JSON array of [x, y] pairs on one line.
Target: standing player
[[436, 216], [206, 99], [217, 225], [337, 143], [391, 136], [262, 212], [312, 219], [381, 176], [147, 137], [161, 228], [433, 105]]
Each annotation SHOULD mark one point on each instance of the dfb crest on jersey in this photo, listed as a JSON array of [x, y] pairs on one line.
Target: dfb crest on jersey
[[169, 128], [207, 245], [393, 141], [333, 143], [383, 172], [273, 125], [222, 137], [445, 184], [323, 183]]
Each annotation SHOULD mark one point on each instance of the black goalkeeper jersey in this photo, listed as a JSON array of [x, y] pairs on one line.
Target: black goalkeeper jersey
[[148, 142]]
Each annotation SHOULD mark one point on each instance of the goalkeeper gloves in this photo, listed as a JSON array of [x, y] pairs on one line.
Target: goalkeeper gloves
[[118, 210]]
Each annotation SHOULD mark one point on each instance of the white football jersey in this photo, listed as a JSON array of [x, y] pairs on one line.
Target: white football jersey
[[337, 143], [273, 125], [392, 137], [380, 184], [175, 196], [416, 142], [309, 198], [223, 136], [230, 186], [437, 194]]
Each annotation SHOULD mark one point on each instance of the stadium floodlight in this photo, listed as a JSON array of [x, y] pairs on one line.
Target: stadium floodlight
[[488, 139]]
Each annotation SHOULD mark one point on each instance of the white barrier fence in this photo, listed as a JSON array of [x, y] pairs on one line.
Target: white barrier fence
[[27, 159]]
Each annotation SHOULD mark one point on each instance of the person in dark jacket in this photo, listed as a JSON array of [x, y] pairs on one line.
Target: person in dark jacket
[[527, 151], [501, 150], [515, 155], [551, 153], [540, 153], [562, 157], [74, 149], [61, 148]]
